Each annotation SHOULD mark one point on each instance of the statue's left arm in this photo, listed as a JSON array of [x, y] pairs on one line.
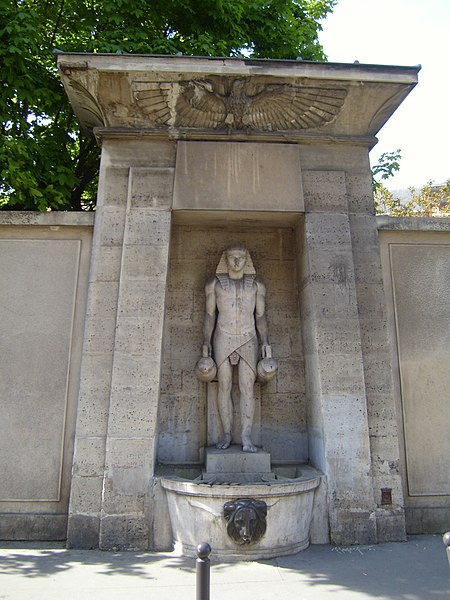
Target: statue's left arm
[[260, 315]]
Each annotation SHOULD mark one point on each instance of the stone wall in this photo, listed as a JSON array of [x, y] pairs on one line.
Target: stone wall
[[311, 412], [416, 269], [43, 273], [120, 377], [338, 414], [175, 189]]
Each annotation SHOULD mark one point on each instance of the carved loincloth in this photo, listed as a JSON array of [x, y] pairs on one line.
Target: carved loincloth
[[245, 345]]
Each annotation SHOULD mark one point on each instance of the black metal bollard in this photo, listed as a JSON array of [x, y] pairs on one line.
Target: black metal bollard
[[202, 562], [446, 540]]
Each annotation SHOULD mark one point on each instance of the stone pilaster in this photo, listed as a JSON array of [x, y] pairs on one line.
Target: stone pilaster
[[115, 438], [383, 429], [338, 420]]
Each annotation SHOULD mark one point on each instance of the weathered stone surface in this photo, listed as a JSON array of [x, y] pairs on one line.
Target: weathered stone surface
[[326, 307], [198, 511], [325, 191], [131, 152], [390, 525], [86, 494], [83, 531], [121, 363], [337, 409], [33, 526], [167, 93], [125, 492], [233, 460], [151, 187], [39, 287], [124, 532], [426, 519], [44, 275], [49, 220], [415, 269], [353, 527], [93, 400], [89, 456], [241, 176], [106, 263], [420, 280], [113, 183], [110, 228], [360, 192]]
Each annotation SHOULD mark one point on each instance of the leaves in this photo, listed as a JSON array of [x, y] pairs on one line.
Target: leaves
[[388, 164], [430, 200], [45, 163]]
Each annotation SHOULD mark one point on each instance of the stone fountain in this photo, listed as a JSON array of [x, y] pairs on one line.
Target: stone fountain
[[199, 154], [242, 506], [264, 516]]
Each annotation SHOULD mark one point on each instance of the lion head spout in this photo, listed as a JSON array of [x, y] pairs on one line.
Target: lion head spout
[[246, 520]]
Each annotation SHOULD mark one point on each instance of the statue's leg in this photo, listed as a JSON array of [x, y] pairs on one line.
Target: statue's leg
[[247, 400], [225, 404]]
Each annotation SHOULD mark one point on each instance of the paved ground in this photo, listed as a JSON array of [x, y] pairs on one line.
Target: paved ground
[[415, 570]]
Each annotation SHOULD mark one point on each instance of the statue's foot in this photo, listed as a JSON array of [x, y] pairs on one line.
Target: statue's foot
[[225, 443], [247, 446]]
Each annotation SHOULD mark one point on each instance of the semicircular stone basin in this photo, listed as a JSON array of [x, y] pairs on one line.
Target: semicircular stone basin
[[197, 514]]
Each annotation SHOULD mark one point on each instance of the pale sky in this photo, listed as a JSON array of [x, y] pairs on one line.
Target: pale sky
[[406, 33]]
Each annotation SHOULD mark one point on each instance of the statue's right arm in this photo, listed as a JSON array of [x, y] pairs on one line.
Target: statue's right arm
[[210, 316]]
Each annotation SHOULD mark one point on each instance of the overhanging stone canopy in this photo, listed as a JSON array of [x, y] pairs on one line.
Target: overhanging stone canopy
[[197, 98]]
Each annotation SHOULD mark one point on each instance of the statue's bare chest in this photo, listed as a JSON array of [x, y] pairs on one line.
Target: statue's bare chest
[[236, 305]]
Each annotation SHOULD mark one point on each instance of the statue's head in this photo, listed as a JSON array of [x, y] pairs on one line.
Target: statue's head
[[236, 258], [235, 262], [237, 247], [246, 520]]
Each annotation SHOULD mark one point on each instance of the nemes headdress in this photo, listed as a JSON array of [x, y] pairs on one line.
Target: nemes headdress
[[222, 267]]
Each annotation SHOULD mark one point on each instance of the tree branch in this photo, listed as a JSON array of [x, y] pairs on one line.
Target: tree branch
[[58, 19]]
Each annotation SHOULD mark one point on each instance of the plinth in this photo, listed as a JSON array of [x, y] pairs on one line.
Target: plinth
[[235, 466]]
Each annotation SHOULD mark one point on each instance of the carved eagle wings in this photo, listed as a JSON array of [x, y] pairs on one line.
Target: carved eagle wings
[[238, 104]]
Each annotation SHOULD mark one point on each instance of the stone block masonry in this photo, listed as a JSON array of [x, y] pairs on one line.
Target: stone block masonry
[[179, 183]]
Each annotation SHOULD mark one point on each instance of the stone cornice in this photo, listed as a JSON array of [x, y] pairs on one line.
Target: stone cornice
[[48, 219], [295, 137], [203, 98], [387, 223]]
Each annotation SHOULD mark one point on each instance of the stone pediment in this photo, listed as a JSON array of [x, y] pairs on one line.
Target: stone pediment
[[201, 98]]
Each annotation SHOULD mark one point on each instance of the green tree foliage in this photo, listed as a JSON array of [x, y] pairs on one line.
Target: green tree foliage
[[388, 164], [430, 200], [44, 160]]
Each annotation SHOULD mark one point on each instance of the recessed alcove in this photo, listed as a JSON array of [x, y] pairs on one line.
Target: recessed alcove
[[197, 242]]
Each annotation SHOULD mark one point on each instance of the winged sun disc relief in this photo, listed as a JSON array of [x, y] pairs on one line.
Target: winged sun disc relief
[[242, 103]]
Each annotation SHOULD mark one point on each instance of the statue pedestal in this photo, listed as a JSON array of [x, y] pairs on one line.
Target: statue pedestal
[[235, 466]]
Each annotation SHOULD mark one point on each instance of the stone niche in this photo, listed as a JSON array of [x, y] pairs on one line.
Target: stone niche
[[195, 251], [197, 154]]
